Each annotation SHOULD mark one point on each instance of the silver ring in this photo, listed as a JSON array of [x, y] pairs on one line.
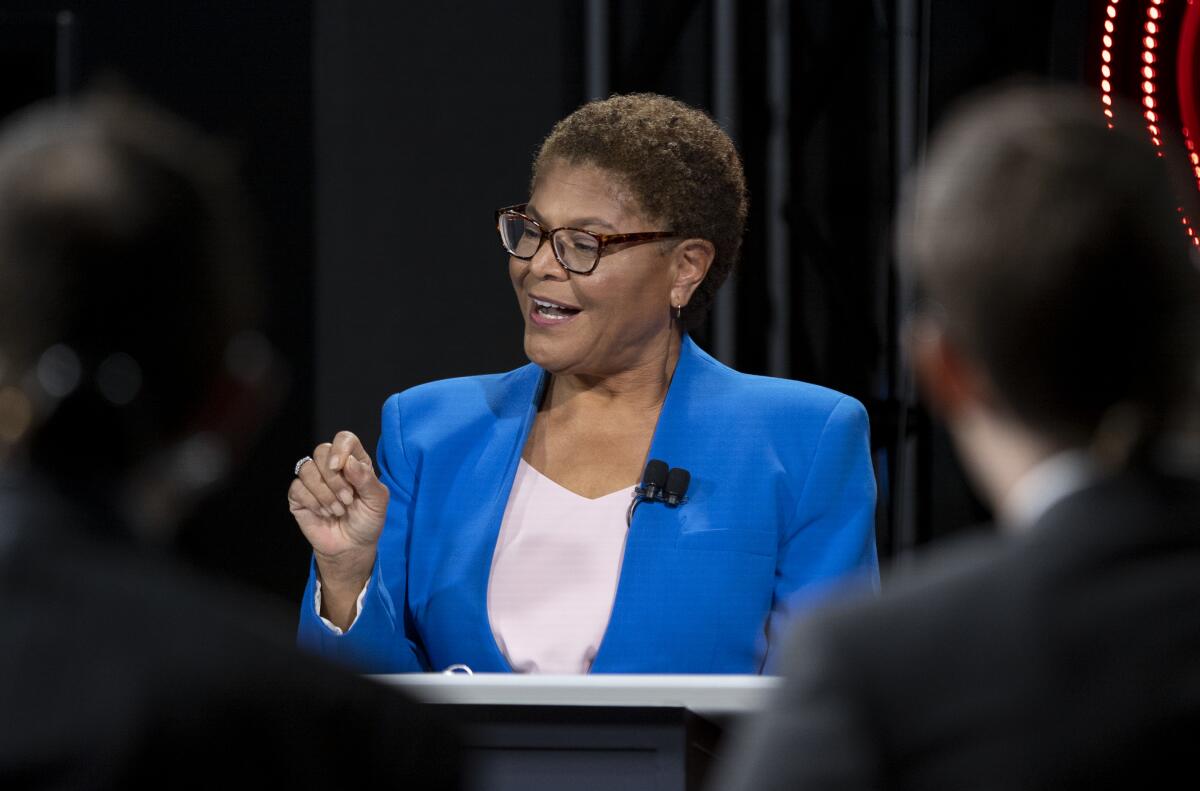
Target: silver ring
[[300, 464]]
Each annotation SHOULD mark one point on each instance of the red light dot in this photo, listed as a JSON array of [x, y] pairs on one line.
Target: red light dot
[[1106, 86], [1156, 142], [1150, 42], [1153, 12], [1112, 12], [1154, 130], [1148, 57], [1107, 41], [1106, 71], [1148, 86], [1151, 27], [1108, 112], [1109, 26], [1150, 116], [1197, 172], [1106, 56], [1149, 102], [1156, 2], [1106, 99], [1148, 72]]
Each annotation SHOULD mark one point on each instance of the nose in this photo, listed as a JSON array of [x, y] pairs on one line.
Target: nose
[[544, 265]]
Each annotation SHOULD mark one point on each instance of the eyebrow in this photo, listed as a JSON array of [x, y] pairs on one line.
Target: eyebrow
[[582, 221]]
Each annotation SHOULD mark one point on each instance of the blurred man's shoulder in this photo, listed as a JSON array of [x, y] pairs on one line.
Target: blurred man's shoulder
[[117, 639]]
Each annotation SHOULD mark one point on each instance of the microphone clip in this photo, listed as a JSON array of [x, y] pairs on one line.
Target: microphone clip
[[660, 484]]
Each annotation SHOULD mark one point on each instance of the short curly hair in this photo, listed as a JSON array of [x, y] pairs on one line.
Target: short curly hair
[[678, 164]]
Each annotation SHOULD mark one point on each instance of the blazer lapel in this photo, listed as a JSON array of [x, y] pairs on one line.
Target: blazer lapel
[[655, 527]]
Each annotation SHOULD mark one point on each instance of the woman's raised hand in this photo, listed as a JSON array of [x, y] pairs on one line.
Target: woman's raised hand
[[340, 505]]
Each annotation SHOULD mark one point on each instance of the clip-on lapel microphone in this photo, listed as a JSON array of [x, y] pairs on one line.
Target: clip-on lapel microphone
[[660, 484]]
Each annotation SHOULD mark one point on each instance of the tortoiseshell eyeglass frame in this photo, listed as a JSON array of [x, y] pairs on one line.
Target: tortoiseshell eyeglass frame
[[603, 240]]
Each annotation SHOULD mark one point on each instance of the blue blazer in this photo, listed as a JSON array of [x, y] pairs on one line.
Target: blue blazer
[[781, 505]]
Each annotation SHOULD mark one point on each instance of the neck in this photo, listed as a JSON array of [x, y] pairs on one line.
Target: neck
[[642, 386], [998, 452]]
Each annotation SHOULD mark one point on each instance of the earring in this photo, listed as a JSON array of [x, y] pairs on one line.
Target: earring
[[678, 311]]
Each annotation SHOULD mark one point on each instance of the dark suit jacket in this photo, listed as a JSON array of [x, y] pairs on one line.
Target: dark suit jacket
[[120, 670], [1067, 657]]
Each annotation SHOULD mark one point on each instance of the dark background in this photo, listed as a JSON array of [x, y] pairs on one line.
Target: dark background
[[377, 137]]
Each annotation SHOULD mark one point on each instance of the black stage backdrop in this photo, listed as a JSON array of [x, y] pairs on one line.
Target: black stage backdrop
[[241, 71], [377, 138]]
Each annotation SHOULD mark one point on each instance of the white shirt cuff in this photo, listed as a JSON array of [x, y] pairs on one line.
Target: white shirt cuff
[[358, 605]]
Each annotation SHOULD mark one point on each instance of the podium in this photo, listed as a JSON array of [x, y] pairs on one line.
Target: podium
[[588, 733]]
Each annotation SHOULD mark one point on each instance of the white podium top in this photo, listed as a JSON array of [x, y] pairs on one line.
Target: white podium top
[[710, 695]]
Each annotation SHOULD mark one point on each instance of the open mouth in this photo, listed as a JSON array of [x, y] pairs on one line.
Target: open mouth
[[550, 312]]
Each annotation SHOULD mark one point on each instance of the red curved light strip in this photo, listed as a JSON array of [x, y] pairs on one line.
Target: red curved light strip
[[1106, 71], [1185, 79], [1185, 86], [1150, 72], [1149, 44]]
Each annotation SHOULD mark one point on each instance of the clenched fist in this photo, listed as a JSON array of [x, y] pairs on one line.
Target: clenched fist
[[339, 504]]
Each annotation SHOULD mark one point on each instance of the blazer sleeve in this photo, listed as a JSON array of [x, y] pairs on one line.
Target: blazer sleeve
[[381, 639], [829, 542]]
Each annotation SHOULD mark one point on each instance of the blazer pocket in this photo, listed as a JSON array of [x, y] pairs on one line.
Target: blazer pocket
[[754, 542]]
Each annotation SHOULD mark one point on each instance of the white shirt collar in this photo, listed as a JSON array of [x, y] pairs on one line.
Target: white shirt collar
[[1045, 484]]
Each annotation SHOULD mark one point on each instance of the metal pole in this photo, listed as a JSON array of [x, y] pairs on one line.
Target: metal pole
[[64, 54], [725, 107], [596, 48], [778, 187], [910, 122]]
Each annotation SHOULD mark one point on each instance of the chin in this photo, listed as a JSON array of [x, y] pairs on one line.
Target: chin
[[540, 352], [552, 354]]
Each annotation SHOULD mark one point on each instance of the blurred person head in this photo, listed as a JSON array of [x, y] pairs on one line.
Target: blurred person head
[[1059, 292], [632, 164], [126, 298]]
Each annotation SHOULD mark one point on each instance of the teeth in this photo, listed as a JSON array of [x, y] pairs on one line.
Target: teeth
[[552, 313], [552, 310]]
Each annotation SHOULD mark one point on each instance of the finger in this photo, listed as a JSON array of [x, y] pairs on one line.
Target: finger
[[334, 480], [301, 499], [369, 488], [310, 476], [347, 445]]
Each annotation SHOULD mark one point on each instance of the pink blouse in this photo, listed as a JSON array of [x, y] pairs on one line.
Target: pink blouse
[[554, 574]]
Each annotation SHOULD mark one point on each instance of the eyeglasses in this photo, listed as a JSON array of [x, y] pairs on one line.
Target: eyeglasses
[[575, 249]]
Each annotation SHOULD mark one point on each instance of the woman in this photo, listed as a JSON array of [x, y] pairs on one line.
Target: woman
[[495, 535]]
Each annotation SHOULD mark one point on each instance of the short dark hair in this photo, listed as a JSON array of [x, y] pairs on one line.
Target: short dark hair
[[124, 254], [1055, 248], [680, 166]]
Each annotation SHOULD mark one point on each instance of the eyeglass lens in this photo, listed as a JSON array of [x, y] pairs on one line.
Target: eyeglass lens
[[520, 237], [576, 250]]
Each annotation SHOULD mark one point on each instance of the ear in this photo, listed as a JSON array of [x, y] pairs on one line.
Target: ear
[[950, 381], [691, 261]]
